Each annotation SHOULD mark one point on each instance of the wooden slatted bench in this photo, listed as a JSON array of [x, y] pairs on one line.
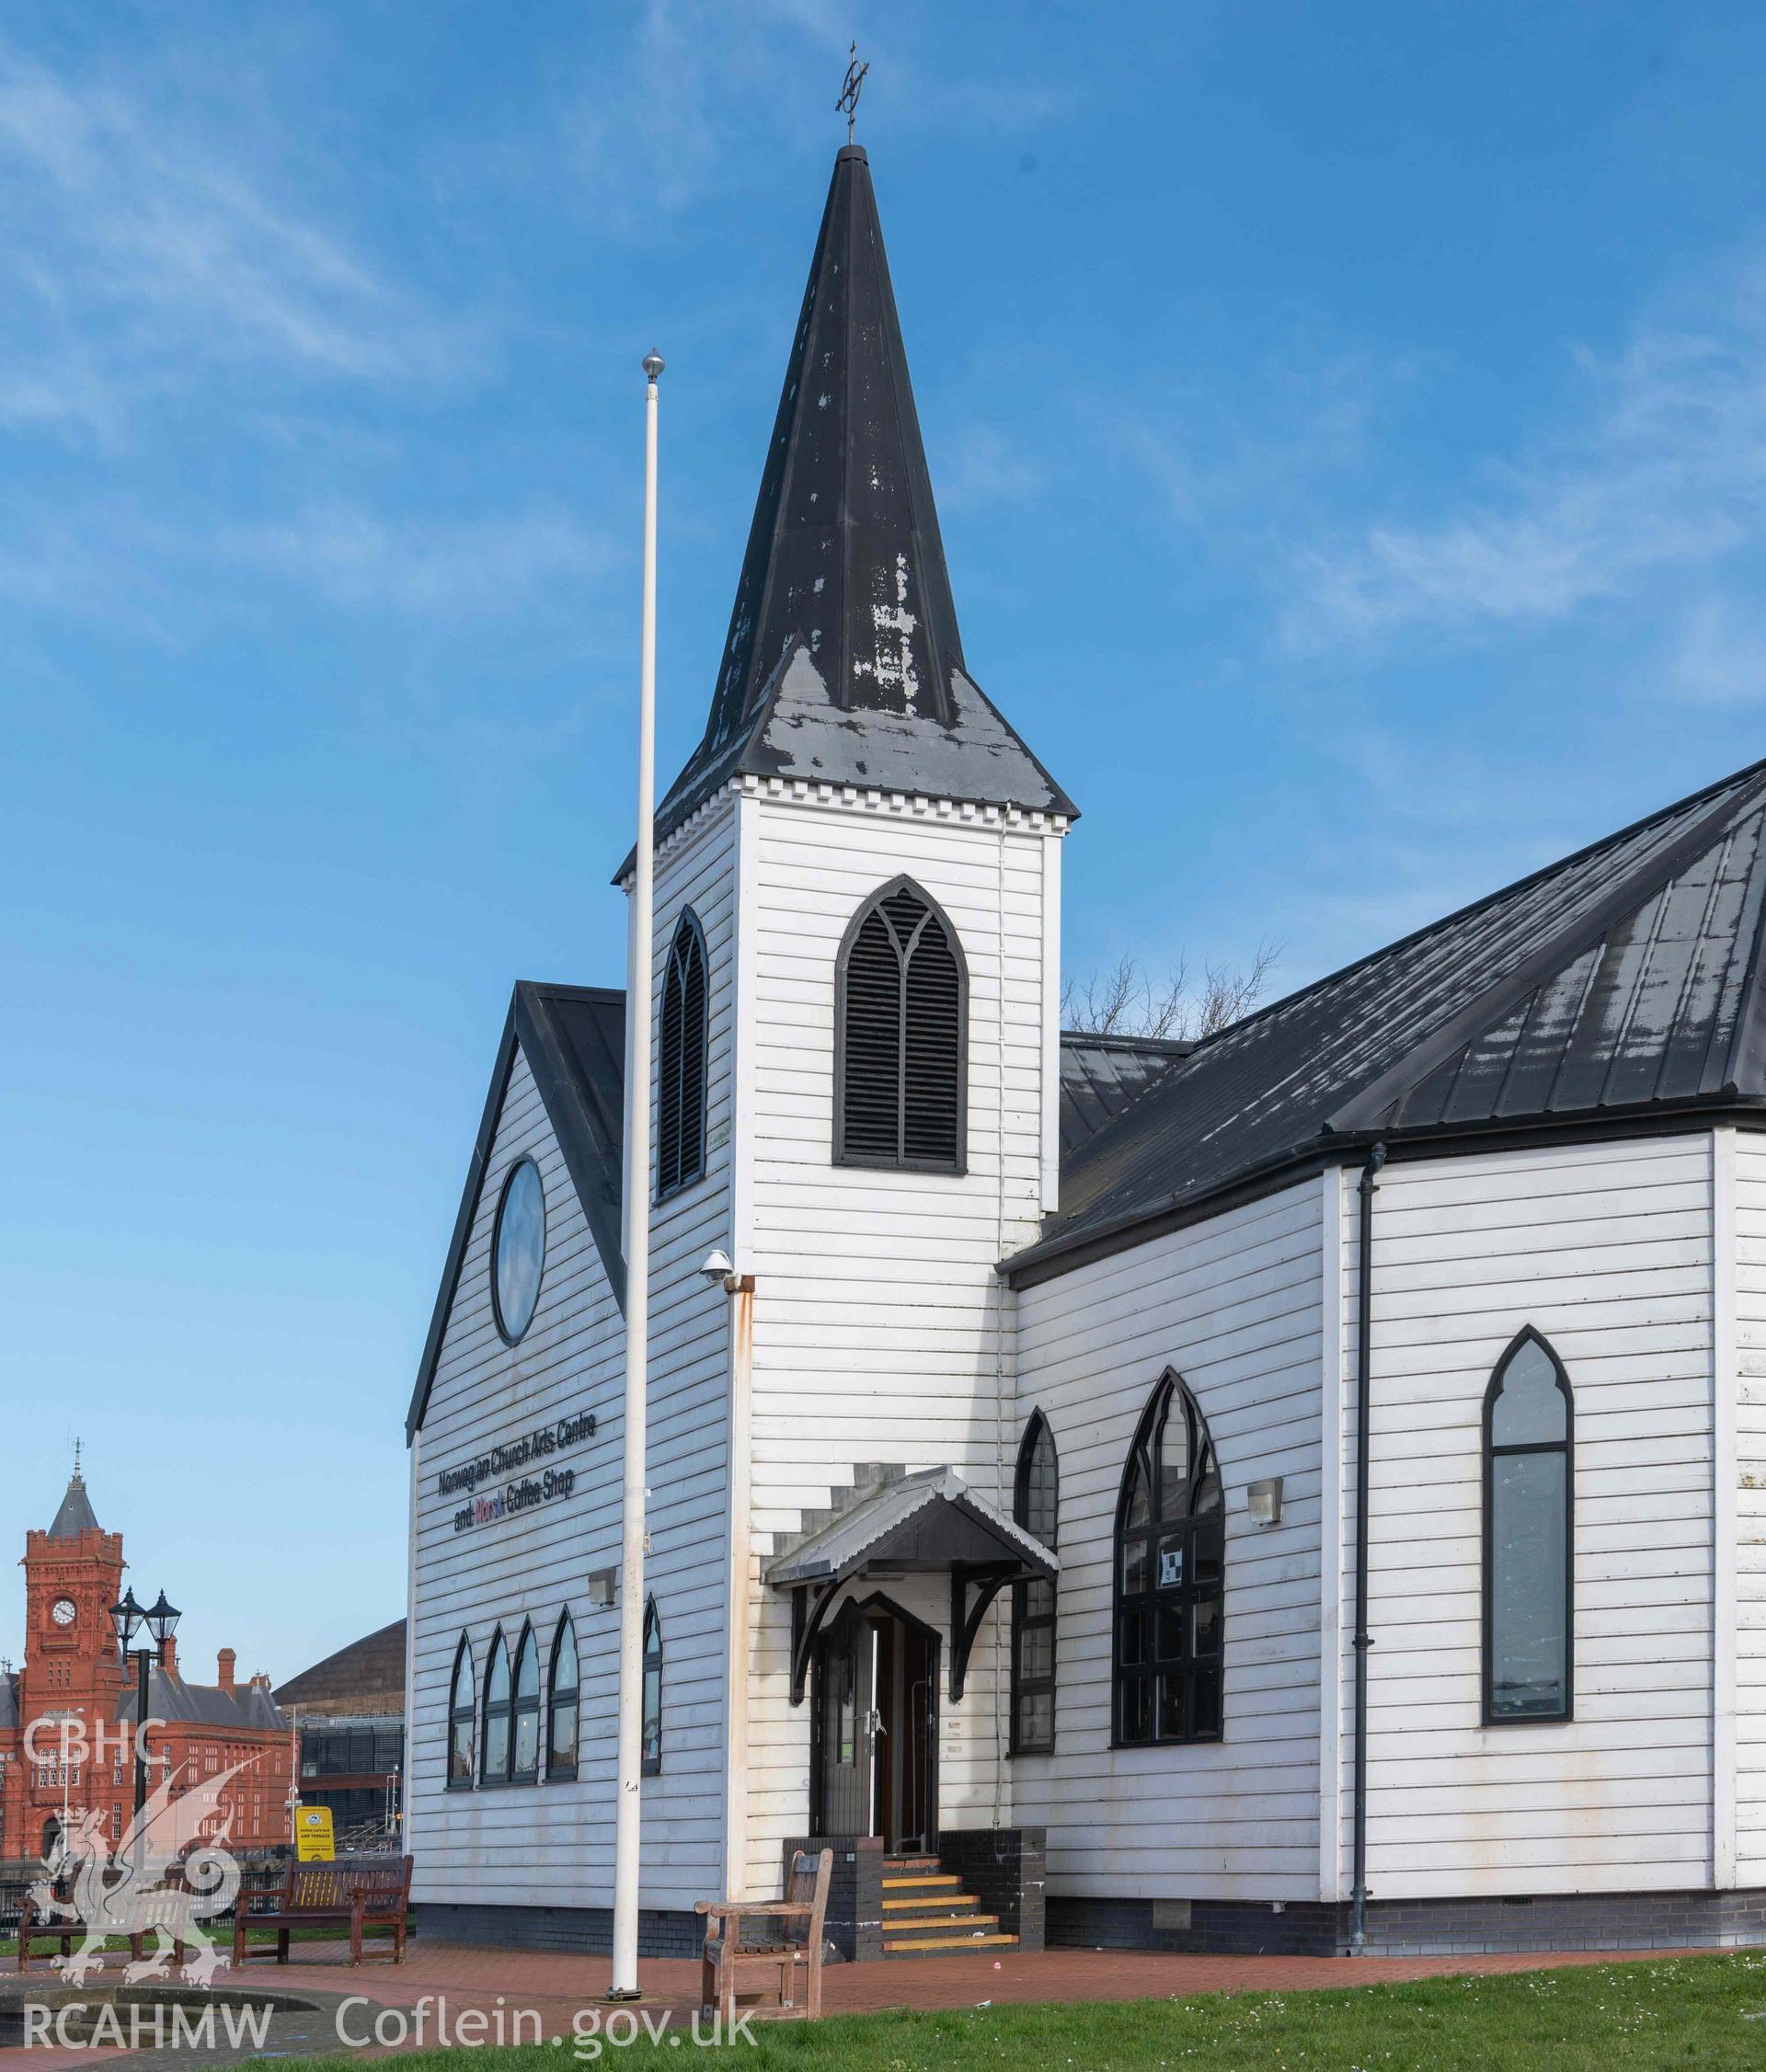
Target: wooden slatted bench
[[31, 1930], [364, 1891], [792, 1962]]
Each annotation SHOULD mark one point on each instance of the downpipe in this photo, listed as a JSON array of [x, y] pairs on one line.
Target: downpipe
[[1363, 1453]]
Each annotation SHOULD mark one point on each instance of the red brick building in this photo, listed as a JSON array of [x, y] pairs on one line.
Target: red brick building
[[73, 1691]]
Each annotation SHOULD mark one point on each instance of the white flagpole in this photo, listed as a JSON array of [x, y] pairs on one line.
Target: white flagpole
[[638, 1262]]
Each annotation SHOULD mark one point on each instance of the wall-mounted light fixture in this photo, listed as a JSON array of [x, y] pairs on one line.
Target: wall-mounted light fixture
[[602, 1585], [1263, 1500]]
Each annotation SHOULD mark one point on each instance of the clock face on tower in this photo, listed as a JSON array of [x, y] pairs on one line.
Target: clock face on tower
[[62, 1611]]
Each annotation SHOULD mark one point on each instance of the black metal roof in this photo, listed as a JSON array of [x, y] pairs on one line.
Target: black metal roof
[[843, 662], [372, 1666], [1100, 1075], [1624, 981], [75, 1514], [574, 1040]]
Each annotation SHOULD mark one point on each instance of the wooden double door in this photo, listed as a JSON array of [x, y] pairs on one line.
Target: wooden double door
[[874, 1728]]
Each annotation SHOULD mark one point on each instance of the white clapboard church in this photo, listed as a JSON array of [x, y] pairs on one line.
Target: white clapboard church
[[1300, 1491]]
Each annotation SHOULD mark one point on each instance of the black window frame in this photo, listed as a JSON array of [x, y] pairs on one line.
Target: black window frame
[[1182, 1598], [558, 1697], [521, 1707], [467, 1716], [1528, 1336], [676, 1076], [650, 1744], [958, 1164], [492, 1710], [1038, 1433]]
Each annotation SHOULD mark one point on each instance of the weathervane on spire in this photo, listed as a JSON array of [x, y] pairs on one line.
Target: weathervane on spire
[[76, 1456], [847, 104]]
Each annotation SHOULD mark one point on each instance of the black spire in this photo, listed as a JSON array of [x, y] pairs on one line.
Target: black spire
[[844, 662]]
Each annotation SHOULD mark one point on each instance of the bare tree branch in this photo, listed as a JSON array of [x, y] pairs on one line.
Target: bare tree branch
[[1125, 1001]]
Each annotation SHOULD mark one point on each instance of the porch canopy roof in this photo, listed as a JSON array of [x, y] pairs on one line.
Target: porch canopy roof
[[926, 1523]]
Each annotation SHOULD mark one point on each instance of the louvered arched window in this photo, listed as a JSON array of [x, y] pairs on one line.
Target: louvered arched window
[[1529, 1511], [900, 1036], [680, 1061], [1035, 1506], [1170, 1575]]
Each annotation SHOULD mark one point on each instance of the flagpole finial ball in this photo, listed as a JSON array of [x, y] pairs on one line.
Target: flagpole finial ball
[[653, 364]]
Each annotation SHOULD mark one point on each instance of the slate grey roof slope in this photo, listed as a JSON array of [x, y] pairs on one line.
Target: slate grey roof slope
[[170, 1698], [924, 1521], [843, 662], [8, 1698], [75, 1514], [1100, 1075], [574, 1040], [1624, 981]]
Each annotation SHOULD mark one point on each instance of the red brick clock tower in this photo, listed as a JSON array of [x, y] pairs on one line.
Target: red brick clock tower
[[72, 1577]]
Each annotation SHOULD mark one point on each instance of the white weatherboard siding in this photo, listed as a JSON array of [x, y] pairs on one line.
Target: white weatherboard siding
[[882, 1332], [1606, 1249], [1234, 1305], [1749, 1637], [685, 1506], [552, 1844]]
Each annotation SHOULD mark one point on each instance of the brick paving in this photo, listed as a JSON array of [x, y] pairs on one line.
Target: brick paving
[[554, 1984]]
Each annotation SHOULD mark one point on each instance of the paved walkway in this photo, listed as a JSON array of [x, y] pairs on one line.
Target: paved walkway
[[495, 1983]]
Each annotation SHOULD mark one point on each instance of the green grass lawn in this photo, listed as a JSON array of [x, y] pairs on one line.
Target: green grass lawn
[[1687, 2012]]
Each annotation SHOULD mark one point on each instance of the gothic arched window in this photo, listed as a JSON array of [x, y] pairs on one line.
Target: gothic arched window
[[497, 1734], [680, 1061], [900, 1036], [524, 1750], [562, 1685], [1036, 1505], [652, 1732], [1529, 1510], [463, 1710], [1170, 1577]]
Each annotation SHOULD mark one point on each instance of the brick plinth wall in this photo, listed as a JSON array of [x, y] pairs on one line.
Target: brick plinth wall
[[853, 1927], [588, 1930], [1004, 1867], [1416, 1927]]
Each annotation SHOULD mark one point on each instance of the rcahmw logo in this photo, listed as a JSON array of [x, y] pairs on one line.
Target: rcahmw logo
[[131, 1893]]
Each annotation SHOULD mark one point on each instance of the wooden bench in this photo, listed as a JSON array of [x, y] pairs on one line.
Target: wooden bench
[[30, 1931], [364, 1891], [726, 1965]]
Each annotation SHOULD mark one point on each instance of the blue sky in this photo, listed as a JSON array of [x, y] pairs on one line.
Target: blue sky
[[1350, 429]]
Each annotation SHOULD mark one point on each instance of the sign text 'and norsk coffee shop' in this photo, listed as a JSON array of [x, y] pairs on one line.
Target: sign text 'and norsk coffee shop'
[[519, 1496]]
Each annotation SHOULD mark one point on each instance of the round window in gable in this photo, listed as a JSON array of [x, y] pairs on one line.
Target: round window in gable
[[518, 1250]]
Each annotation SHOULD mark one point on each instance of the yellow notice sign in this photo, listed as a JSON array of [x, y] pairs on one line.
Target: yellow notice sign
[[312, 1842]]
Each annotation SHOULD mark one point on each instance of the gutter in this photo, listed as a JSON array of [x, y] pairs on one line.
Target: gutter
[[1363, 1451]]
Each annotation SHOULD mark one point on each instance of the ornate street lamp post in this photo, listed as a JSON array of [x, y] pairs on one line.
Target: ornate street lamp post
[[161, 1621]]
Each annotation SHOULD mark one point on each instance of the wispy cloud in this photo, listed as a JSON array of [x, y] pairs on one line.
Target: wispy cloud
[[474, 567], [138, 254], [1667, 470], [987, 468], [698, 81], [1721, 656]]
